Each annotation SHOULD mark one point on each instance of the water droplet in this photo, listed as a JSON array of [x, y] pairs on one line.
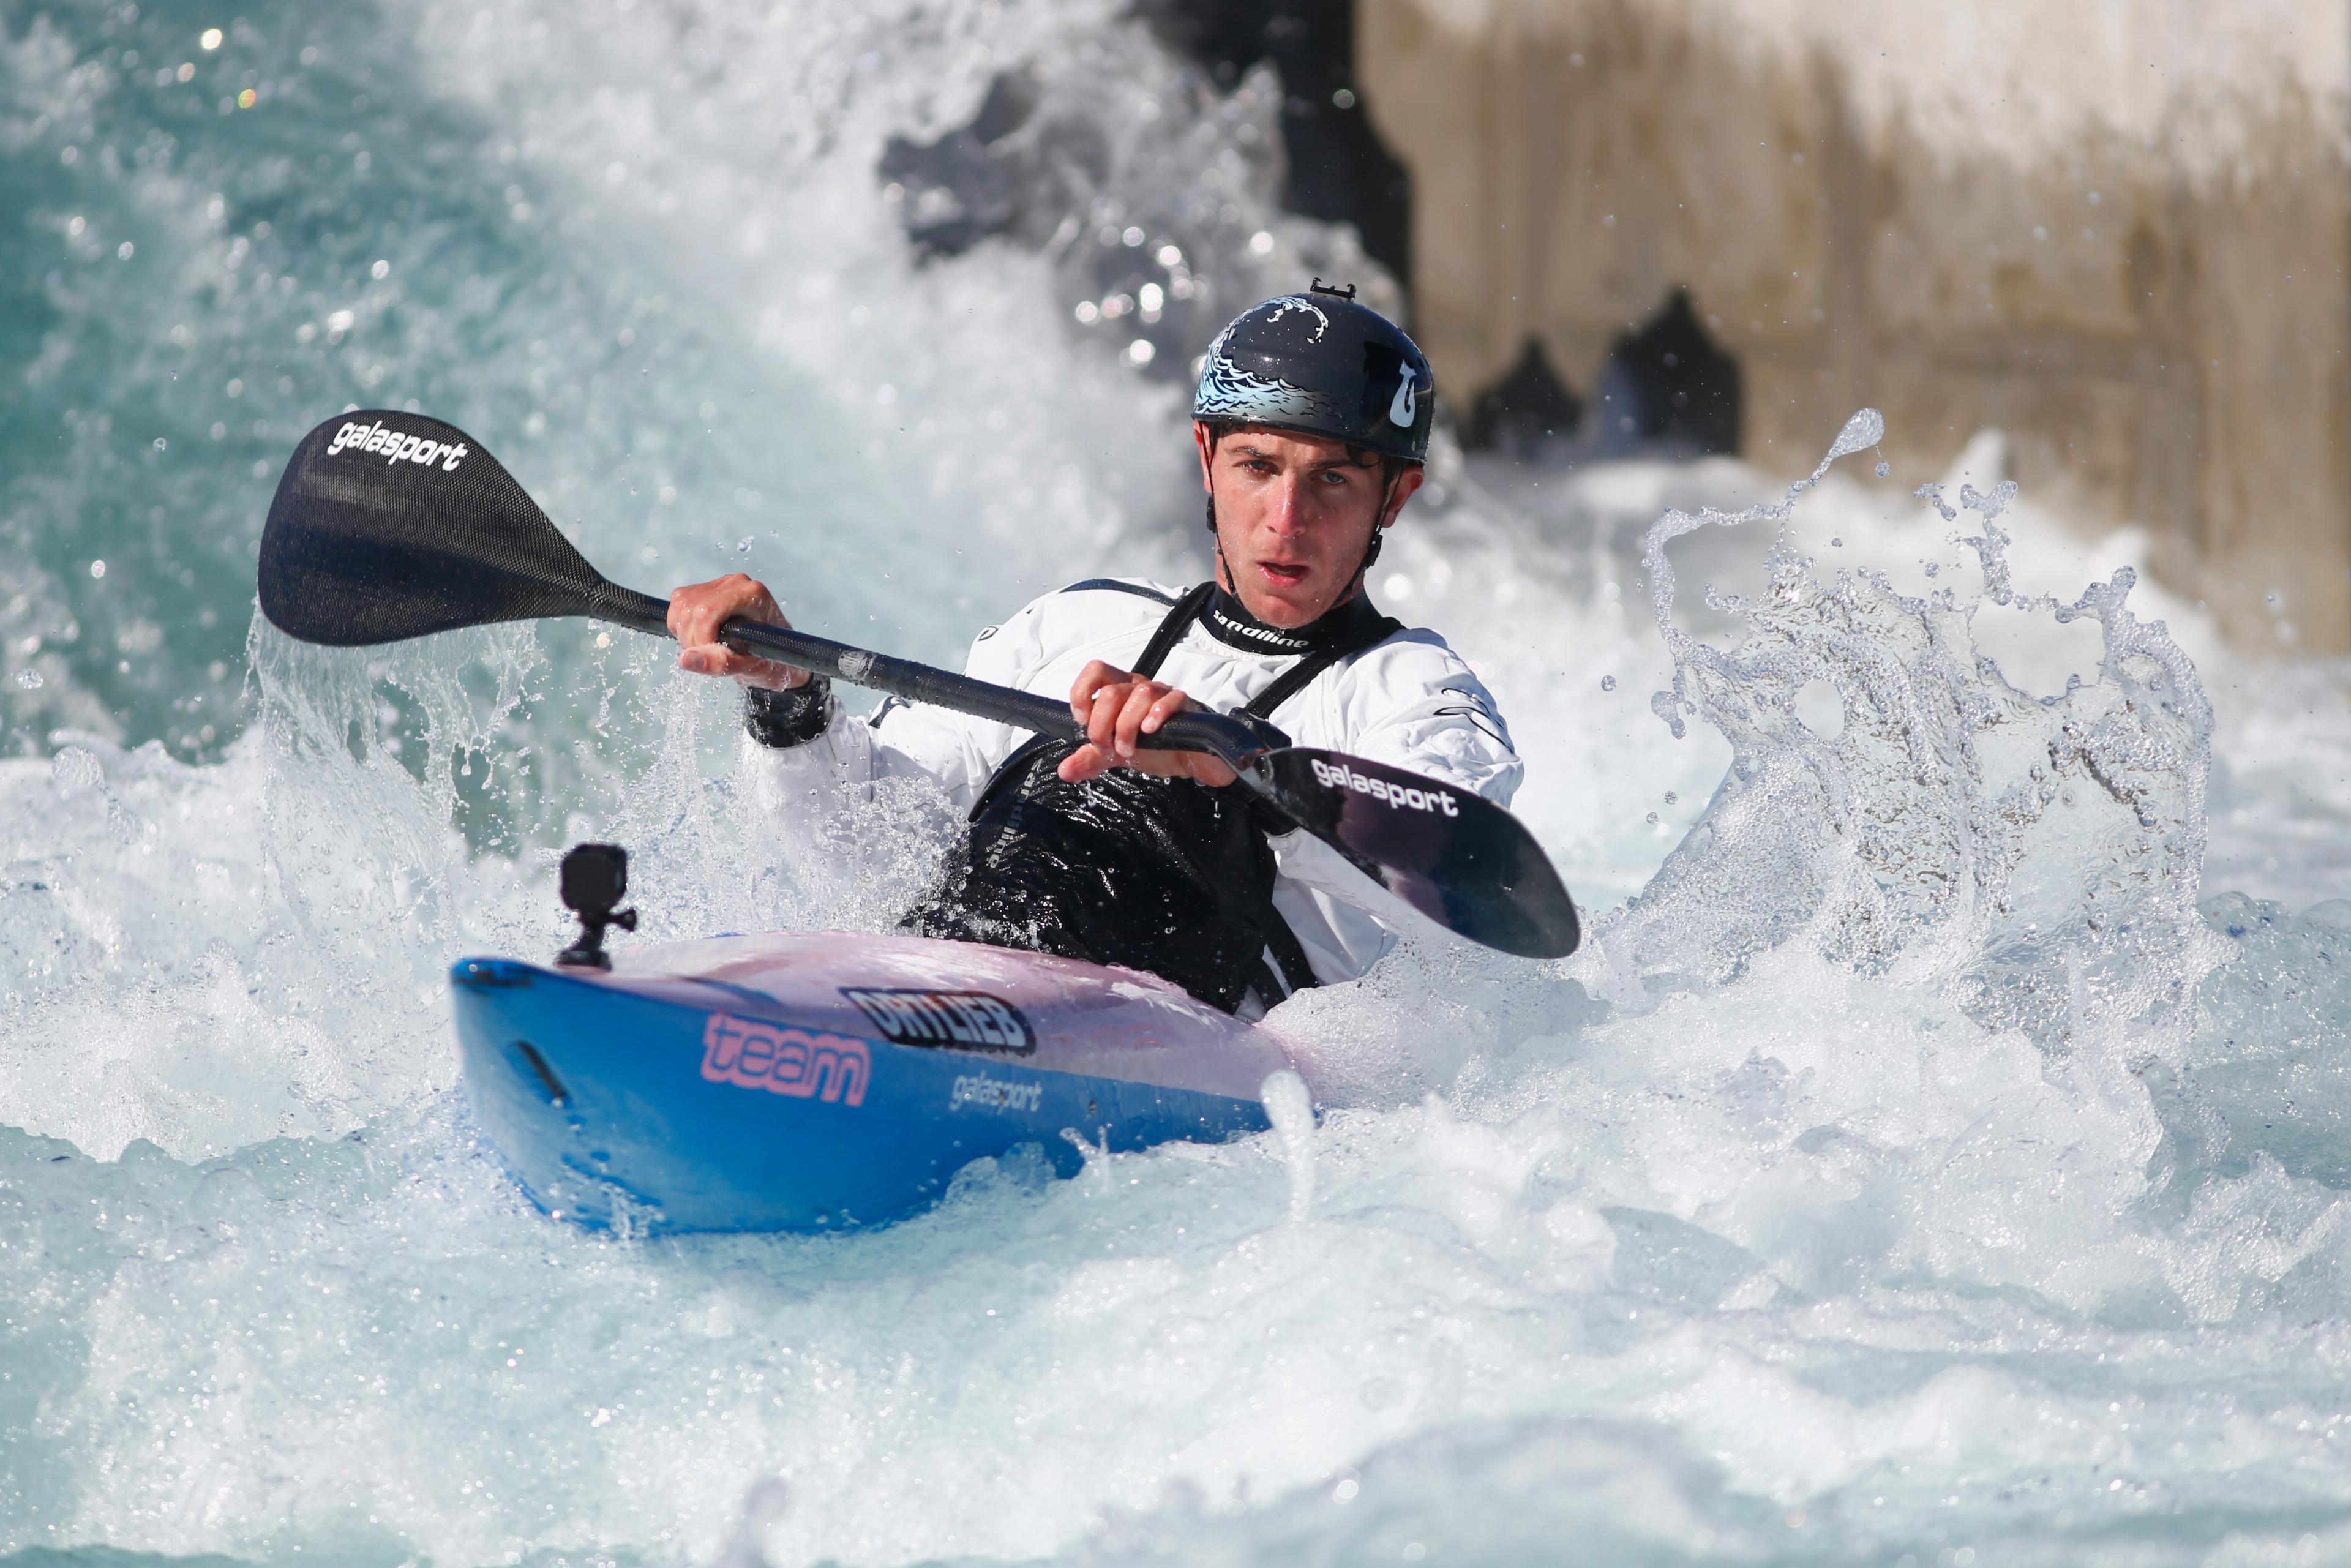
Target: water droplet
[[1885, 469], [1671, 797], [1865, 428], [742, 545], [1837, 543], [1652, 819], [28, 679], [1607, 683]]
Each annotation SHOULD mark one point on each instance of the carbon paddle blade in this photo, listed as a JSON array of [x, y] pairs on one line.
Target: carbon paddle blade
[[1459, 859], [388, 525]]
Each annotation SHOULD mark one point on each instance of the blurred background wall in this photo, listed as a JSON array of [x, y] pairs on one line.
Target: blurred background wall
[[2116, 229]]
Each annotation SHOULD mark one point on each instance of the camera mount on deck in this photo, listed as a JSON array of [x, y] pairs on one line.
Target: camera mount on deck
[[595, 878]]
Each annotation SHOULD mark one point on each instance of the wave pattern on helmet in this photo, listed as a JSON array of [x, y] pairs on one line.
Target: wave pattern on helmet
[[1228, 392]]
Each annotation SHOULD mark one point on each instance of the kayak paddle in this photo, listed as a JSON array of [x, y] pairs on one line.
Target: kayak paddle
[[388, 525]]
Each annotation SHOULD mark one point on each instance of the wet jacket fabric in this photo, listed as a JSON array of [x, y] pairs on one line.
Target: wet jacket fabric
[[1407, 700]]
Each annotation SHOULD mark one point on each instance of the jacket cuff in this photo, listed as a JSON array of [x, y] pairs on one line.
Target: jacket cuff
[[791, 717]]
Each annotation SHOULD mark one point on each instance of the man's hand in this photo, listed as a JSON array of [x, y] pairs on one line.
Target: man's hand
[[1117, 708], [696, 613]]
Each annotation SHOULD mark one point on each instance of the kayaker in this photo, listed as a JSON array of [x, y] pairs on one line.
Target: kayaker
[[1312, 421]]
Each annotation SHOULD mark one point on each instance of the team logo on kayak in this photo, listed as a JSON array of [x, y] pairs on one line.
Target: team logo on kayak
[[749, 1054], [970, 1020], [379, 440], [1336, 777]]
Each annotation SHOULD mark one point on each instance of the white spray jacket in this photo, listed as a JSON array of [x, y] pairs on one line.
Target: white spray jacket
[[1410, 701]]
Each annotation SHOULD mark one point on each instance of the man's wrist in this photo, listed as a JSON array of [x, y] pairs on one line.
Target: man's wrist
[[790, 718]]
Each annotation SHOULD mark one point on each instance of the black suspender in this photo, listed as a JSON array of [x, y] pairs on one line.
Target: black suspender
[[1172, 627], [1286, 969], [1294, 680]]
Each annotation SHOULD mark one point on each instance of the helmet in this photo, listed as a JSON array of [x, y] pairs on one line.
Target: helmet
[[1320, 364]]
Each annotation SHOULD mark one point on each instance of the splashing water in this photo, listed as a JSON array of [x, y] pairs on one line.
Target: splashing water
[[1904, 825], [1907, 1167]]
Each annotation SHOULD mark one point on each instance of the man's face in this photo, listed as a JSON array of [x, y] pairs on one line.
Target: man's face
[[1295, 514]]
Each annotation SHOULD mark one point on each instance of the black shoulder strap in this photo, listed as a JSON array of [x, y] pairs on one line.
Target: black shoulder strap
[[1172, 629], [1038, 746], [1294, 679]]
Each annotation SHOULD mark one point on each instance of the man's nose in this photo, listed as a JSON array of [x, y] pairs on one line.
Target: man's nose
[[1288, 513]]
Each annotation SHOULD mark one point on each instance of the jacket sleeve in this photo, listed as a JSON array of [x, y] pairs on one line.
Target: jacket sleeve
[[1414, 704], [901, 741]]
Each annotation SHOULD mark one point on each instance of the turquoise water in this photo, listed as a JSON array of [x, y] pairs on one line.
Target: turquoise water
[[1937, 1154]]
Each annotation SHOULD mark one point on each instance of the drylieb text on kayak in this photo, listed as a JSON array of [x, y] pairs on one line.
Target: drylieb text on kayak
[[972, 1019]]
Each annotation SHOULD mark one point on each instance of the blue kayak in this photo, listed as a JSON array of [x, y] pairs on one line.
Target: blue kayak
[[822, 1080]]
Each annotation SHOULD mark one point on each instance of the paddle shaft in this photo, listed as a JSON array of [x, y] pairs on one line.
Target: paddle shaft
[[388, 525], [1223, 737]]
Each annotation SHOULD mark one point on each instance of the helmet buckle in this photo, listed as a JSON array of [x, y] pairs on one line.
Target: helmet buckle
[[1336, 290]]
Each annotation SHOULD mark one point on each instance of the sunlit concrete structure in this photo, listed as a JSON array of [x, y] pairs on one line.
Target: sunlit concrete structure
[[2119, 231]]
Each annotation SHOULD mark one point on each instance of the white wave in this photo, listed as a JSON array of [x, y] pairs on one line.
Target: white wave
[[1854, 1195]]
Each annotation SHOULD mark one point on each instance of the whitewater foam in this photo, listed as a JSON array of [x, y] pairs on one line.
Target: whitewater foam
[[1958, 1185]]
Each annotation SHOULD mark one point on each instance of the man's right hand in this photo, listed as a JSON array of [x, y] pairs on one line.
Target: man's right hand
[[695, 614]]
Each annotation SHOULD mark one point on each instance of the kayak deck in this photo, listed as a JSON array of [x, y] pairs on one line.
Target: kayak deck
[[818, 1081]]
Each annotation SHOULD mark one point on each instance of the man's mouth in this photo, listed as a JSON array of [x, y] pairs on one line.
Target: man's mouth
[[1286, 573]]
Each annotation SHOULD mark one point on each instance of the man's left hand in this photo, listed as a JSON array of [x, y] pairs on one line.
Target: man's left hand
[[1118, 708]]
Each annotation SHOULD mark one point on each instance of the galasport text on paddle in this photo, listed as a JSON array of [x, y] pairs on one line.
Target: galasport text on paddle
[[388, 525]]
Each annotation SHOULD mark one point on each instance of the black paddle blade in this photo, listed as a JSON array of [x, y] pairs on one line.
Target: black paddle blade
[[1462, 861], [389, 526]]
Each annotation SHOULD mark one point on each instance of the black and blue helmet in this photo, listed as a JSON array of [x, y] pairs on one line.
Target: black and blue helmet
[[1320, 364]]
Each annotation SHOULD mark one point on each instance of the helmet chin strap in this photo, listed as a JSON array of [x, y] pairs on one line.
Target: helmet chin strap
[[1216, 545], [1379, 530]]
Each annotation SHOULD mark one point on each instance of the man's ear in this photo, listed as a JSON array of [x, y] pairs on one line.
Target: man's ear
[[1407, 483], [1200, 438]]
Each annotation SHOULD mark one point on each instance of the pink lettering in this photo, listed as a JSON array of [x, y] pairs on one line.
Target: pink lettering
[[749, 1054]]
